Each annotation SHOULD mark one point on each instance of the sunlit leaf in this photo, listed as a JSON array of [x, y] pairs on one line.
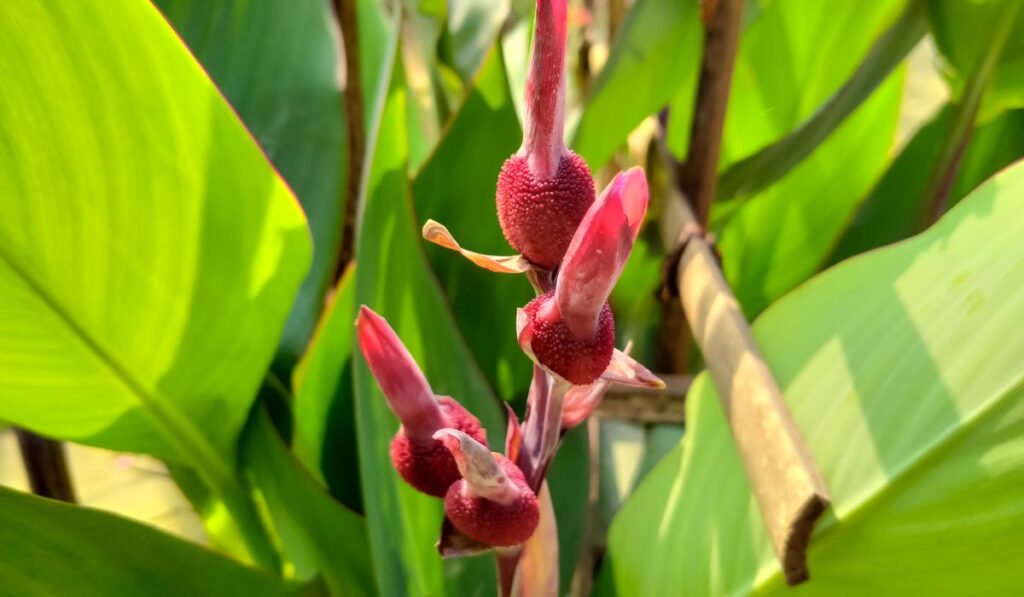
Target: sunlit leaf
[[902, 370], [146, 267], [656, 52], [287, 93]]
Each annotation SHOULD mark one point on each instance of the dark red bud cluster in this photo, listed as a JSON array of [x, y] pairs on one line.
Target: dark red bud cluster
[[539, 216]]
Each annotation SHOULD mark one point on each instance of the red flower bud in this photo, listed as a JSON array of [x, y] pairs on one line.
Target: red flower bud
[[544, 189], [571, 331], [546, 336], [419, 458], [539, 216], [492, 502]]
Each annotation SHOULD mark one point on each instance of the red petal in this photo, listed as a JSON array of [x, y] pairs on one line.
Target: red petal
[[406, 389]]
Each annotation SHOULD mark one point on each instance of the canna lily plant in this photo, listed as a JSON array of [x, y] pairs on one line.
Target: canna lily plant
[[572, 248]]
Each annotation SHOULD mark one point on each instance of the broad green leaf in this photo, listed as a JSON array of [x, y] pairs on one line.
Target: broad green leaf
[[893, 210], [569, 483], [656, 52], [902, 369], [148, 251], [457, 188], [758, 171], [325, 429], [321, 537], [472, 28], [287, 93], [783, 235], [393, 278], [51, 548], [792, 59], [963, 32]]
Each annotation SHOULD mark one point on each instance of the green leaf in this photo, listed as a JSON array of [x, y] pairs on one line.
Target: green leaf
[[394, 279], [656, 52], [51, 548], [472, 28], [791, 60], [963, 32], [752, 174], [569, 482], [893, 209], [320, 536], [277, 63], [457, 188], [325, 430], [902, 369], [148, 265]]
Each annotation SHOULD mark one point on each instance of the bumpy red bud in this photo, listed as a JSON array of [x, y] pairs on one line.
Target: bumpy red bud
[[492, 502], [420, 459], [544, 190], [577, 359]]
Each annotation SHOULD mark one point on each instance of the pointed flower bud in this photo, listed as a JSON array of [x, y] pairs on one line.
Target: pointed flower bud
[[421, 460], [599, 250], [492, 502], [571, 331], [544, 190]]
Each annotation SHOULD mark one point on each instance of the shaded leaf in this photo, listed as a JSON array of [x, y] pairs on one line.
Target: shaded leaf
[[321, 537], [325, 430], [901, 368], [51, 548], [456, 187], [893, 210], [963, 32]]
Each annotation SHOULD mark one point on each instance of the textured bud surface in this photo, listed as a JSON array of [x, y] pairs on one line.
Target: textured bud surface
[[494, 523], [579, 360], [539, 217], [425, 463]]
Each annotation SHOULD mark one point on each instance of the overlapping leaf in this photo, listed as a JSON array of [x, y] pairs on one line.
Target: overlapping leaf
[[902, 369], [277, 62], [49, 548]]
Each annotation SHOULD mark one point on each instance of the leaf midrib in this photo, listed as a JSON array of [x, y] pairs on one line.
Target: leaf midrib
[[193, 446]]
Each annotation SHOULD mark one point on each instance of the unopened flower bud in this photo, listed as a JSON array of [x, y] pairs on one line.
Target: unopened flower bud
[[492, 502], [421, 460]]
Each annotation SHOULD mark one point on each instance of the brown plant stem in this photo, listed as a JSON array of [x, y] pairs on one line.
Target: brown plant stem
[[699, 174], [345, 11], [788, 487], [45, 466]]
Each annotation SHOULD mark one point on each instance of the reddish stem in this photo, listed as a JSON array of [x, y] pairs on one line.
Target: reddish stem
[[545, 90]]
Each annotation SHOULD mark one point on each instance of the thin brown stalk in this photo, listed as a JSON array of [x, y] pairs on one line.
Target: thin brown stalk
[[345, 11], [699, 174], [45, 466]]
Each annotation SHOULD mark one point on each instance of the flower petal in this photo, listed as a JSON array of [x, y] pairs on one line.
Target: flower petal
[[478, 466], [625, 370], [599, 250], [400, 378], [438, 234]]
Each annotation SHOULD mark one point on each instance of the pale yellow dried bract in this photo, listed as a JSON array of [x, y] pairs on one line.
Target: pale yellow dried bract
[[436, 233]]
